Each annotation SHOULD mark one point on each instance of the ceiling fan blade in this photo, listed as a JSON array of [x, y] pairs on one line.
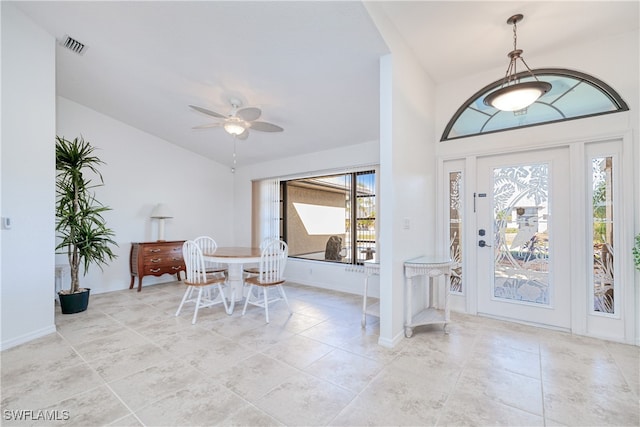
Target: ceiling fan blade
[[265, 127], [244, 135], [209, 112], [207, 126], [249, 114]]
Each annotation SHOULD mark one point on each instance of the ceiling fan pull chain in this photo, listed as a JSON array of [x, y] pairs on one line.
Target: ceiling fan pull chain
[[233, 169]]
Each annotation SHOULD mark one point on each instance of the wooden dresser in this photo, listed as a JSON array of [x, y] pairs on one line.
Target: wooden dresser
[[155, 259]]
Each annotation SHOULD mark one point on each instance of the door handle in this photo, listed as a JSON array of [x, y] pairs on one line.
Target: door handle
[[483, 244]]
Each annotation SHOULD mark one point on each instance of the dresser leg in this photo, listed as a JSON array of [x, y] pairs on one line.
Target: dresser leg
[[139, 284], [133, 278]]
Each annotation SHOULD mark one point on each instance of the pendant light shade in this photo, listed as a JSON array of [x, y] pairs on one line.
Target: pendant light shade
[[518, 96], [514, 95]]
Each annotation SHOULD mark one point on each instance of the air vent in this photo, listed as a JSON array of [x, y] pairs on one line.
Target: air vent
[[73, 45]]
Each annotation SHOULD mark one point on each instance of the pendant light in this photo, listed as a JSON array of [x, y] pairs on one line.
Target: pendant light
[[514, 95]]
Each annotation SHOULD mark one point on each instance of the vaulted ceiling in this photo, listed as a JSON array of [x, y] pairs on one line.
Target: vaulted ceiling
[[311, 66]]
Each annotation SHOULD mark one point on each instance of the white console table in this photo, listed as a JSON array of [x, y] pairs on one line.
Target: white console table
[[430, 267], [371, 267]]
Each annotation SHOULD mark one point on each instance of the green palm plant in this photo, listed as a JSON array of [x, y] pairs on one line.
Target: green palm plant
[[83, 233], [636, 252]]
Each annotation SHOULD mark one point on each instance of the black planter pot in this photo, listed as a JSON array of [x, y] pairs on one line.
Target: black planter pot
[[74, 303]]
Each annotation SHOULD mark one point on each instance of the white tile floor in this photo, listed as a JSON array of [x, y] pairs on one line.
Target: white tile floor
[[128, 361]]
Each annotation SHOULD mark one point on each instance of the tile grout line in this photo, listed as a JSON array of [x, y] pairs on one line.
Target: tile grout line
[[544, 409], [102, 379]]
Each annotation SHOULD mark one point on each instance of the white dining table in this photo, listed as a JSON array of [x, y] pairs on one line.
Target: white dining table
[[235, 257]]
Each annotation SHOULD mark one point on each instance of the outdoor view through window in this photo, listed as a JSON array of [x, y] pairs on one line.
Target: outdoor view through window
[[331, 218]]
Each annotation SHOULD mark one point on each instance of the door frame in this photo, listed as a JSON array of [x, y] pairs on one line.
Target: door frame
[[469, 151]]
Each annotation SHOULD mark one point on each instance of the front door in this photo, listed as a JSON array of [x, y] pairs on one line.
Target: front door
[[523, 237]]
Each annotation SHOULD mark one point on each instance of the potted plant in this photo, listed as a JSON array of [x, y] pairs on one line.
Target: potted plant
[[83, 233], [636, 252]]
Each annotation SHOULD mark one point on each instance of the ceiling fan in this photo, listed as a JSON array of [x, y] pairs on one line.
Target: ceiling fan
[[239, 121]]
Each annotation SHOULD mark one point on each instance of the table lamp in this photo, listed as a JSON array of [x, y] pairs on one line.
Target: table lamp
[[161, 212]]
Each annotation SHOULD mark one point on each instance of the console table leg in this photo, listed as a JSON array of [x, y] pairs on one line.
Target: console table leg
[[408, 331], [363, 322]]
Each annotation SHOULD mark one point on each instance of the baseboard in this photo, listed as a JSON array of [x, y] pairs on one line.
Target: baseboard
[[384, 342], [5, 345]]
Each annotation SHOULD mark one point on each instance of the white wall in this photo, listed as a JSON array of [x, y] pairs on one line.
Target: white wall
[[28, 179], [140, 171], [408, 168]]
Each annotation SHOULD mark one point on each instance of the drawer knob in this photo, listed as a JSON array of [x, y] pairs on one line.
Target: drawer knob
[[154, 250], [156, 260], [155, 270]]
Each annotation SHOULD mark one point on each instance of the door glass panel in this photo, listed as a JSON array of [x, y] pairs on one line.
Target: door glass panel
[[521, 234], [455, 229], [602, 214]]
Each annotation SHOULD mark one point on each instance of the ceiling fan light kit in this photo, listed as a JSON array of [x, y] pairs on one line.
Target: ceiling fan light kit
[[514, 95], [235, 127], [238, 122]]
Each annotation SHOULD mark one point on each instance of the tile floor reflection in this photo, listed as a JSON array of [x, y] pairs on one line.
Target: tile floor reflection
[[128, 361]]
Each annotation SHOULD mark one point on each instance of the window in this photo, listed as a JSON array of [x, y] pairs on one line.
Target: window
[[455, 229], [602, 210], [331, 218], [573, 95]]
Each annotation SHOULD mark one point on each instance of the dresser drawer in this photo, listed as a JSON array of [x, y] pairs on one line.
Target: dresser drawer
[[151, 251], [155, 259], [157, 270], [162, 259]]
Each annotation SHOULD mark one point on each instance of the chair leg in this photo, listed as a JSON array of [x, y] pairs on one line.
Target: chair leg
[[266, 303], [222, 297], [195, 313], [246, 301], [184, 298], [284, 297]]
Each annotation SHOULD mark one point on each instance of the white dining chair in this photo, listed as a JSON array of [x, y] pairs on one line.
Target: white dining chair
[[208, 246], [255, 269], [197, 278], [271, 275]]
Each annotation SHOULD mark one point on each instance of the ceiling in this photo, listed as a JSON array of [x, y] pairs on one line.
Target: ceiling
[[311, 66]]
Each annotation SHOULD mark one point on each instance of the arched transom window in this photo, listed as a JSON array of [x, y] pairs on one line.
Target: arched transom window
[[573, 95]]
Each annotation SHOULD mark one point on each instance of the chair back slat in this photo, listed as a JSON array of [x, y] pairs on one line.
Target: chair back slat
[[266, 241], [273, 261], [208, 246], [194, 262]]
